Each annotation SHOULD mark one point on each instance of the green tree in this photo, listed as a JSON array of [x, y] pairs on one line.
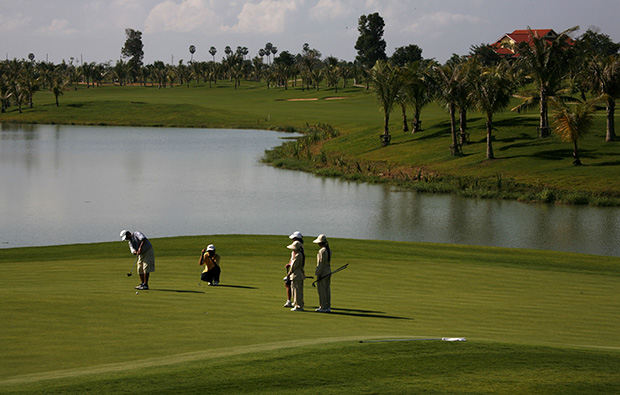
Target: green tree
[[605, 80], [573, 121], [370, 44], [594, 43], [546, 64], [58, 86], [213, 51], [447, 83], [485, 55], [387, 85], [268, 47], [493, 89], [133, 49], [192, 51], [284, 64], [405, 55], [418, 90]]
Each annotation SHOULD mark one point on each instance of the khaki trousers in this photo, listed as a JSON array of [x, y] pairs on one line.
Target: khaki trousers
[[325, 294], [297, 291]]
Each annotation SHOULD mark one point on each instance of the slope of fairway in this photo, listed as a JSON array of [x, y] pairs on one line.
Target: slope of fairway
[[71, 313]]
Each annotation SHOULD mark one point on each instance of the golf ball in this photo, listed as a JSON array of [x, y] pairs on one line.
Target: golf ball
[[136, 292]]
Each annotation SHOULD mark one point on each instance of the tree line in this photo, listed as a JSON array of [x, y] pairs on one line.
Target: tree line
[[572, 76]]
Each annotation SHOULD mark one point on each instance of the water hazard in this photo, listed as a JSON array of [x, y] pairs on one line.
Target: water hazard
[[76, 184]]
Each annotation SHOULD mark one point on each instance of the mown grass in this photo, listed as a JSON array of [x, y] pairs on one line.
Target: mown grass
[[530, 169], [535, 321]]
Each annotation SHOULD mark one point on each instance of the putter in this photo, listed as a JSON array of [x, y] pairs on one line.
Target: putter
[[132, 266], [330, 273]]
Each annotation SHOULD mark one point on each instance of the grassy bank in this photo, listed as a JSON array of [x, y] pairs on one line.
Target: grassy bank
[[535, 321], [527, 168]]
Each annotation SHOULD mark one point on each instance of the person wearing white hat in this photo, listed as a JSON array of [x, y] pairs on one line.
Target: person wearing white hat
[[295, 236], [141, 246], [211, 261], [322, 271], [296, 275]]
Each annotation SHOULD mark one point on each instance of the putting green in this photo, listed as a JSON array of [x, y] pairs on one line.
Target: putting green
[[70, 311]]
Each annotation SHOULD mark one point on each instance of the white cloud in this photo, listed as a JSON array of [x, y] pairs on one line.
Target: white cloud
[[58, 27], [184, 17], [12, 23], [434, 22], [330, 9], [266, 16]]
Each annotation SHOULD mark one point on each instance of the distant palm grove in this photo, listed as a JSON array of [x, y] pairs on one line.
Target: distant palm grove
[[565, 79]]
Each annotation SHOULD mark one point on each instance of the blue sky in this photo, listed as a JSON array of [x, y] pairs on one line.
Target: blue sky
[[94, 30]]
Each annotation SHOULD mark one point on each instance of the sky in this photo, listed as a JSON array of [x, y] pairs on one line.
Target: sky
[[94, 30]]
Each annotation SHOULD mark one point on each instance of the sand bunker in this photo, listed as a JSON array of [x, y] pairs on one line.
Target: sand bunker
[[312, 99]]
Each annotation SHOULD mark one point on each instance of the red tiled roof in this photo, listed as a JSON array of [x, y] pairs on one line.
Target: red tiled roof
[[519, 36]]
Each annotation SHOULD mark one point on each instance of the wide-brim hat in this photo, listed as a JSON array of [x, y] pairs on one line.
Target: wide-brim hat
[[320, 239], [295, 246]]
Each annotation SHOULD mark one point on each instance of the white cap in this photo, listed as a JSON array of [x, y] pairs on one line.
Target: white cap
[[320, 239], [124, 234], [296, 246], [210, 247], [296, 235]]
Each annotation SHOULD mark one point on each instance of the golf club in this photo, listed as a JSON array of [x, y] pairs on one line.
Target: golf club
[[132, 266], [330, 273]]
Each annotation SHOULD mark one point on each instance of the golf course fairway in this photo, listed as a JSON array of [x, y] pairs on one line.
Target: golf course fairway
[[535, 321]]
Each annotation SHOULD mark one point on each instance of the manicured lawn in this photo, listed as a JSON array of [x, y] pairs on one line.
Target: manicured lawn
[[535, 321]]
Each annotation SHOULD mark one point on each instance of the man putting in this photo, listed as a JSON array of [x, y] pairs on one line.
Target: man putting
[[141, 246]]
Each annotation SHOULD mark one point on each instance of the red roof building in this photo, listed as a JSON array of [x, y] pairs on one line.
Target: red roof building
[[507, 45]]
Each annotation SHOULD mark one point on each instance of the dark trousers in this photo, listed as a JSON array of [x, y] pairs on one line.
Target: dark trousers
[[211, 275]]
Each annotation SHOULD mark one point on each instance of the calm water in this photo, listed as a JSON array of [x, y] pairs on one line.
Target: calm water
[[75, 184]]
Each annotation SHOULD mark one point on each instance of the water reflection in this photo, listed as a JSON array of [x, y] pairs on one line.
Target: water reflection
[[62, 184]]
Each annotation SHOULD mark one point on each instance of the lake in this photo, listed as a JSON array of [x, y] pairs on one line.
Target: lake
[[78, 184]]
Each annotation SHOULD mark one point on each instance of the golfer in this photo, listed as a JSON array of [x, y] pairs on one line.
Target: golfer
[[296, 275], [141, 246], [295, 236], [322, 271], [211, 261]]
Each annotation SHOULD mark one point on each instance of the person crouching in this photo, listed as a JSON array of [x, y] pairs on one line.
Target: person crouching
[[211, 261]]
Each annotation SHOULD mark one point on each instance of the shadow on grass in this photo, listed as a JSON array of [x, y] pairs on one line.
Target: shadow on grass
[[365, 313], [183, 291], [527, 122], [230, 286], [235, 286], [608, 163]]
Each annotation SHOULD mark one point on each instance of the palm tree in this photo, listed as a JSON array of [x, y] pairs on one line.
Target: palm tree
[[447, 81], [606, 81], [213, 51], [268, 47], [192, 50], [546, 64], [573, 121], [58, 86], [493, 88], [29, 83], [387, 85], [419, 91]]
